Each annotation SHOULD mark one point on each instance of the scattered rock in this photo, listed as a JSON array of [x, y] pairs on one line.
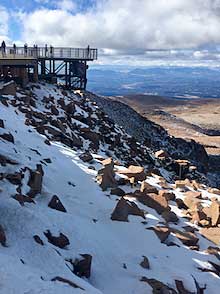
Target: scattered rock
[[118, 192], [181, 289], [145, 263], [82, 267], [125, 208], [161, 232], [2, 124], [70, 283], [105, 176], [161, 154], [133, 171], [147, 188], [8, 137], [61, 241], [2, 236], [38, 240], [35, 181], [55, 203], [187, 238], [170, 216], [193, 194], [23, 199], [180, 204], [212, 234], [86, 157], [215, 213], [158, 287], [168, 195]]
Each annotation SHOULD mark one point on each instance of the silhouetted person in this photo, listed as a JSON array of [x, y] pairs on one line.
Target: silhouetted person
[[14, 49], [25, 49], [46, 50], [51, 51], [3, 48]]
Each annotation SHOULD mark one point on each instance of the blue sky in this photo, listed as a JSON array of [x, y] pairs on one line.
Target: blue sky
[[125, 31]]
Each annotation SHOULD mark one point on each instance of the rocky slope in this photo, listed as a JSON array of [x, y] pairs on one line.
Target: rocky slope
[[85, 208]]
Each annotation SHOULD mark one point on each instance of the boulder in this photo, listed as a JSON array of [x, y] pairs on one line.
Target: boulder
[[147, 188], [2, 236], [15, 179], [170, 216], [214, 191], [215, 213], [82, 267], [134, 171], [23, 199], [106, 176], [152, 200], [161, 232], [212, 234], [7, 137], [191, 202], [145, 263], [168, 195], [182, 184], [61, 241], [35, 181], [86, 157], [124, 208], [187, 238], [161, 154], [118, 192], [180, 204], [55, 203], [193, 194], [2, 124], [38, 240]]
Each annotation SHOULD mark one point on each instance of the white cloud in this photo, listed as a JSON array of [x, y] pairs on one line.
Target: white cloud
[[128, 26]]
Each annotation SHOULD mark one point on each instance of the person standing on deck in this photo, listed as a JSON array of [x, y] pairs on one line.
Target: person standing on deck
[[25, 49], [51, 51], [3, 48], [14, 49], [46, 50]]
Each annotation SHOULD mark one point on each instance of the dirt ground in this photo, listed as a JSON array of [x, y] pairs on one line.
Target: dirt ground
[[197, 119]]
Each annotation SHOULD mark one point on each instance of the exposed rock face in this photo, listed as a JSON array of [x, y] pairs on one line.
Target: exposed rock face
[[61, 241], [35, 181], [82, 267], [212, 234], [124, 208], [105, 176], [152, 134], [55, 203]]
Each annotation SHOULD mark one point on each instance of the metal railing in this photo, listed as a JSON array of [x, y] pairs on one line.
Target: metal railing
[[50, 52]]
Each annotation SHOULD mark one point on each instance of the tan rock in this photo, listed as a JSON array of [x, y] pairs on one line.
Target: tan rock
[[161, 154], [215, 213], [161, 232], [134, 171], [214, 191], [191, 202], [193, 194], [152, 200], [187, 238], [106, 175], [147, 188], [168, 195], [212, 234]]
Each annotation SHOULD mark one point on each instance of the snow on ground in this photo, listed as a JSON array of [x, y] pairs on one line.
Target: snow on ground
[[116, 247]]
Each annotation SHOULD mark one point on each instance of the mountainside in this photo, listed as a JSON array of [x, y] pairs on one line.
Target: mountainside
[[86, 208]]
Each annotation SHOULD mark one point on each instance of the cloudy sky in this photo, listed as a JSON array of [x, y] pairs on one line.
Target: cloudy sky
[[125, 31]]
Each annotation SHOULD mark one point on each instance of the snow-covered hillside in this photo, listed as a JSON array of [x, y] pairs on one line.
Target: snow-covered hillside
[[73, 220]]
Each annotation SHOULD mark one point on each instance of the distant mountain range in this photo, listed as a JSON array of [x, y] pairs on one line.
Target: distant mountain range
[[178, 82]]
